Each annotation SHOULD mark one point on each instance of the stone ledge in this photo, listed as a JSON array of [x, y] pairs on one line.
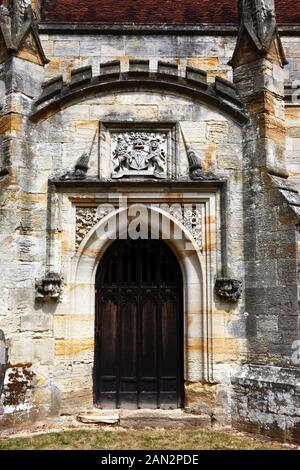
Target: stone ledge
[[217, 29], [134, 28], [273, 375]]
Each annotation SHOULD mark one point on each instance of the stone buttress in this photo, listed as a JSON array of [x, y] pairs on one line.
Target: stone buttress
[[266, 397]]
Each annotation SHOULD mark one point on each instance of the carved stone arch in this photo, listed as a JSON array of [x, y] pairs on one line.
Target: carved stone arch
[[196, 301]]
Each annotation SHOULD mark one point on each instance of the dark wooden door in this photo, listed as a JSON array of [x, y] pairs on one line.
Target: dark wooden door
[[139, 327]]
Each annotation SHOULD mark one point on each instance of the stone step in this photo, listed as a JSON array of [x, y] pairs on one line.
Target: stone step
[[145, 418], [97, 416]]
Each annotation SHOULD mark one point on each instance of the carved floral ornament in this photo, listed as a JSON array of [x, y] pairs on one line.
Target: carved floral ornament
[[191, 219], [190, 216], [86, 219]]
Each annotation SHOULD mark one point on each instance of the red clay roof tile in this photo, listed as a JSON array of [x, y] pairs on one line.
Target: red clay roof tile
[[156, 11]]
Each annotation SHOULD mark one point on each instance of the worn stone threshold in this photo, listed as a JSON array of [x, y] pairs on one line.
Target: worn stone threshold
[[145, 418]]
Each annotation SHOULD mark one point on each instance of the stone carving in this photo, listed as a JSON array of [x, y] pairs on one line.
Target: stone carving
[[50, 287], [191, 218], [86, 219], [195, 165], [193, 223], [3, 360], [139, 154], [260, 15], [229, 289], [17, 19], [14, 14], [80, 169], [258, 19], [20, 10], [196, 171], [81, 166], [5, 18]]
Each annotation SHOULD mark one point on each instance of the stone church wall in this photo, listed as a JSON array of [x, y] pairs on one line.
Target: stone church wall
[[253, 380], [54, 362]]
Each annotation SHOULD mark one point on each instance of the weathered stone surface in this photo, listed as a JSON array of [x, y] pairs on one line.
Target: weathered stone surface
[[163, 419], [99, 417], [271, 391], [263, 400], [19, 32], [244, 228]]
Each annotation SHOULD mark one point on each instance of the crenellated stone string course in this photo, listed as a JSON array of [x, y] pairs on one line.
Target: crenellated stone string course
[[56, 90]]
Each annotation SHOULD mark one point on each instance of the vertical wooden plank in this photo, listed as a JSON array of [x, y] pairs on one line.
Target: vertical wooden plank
[[108, 353], [169, 354], [128, 356], [149, 353]]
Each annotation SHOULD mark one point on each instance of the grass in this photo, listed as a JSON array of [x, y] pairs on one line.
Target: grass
[[154, 439]]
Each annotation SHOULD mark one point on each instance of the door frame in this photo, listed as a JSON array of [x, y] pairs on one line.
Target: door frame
[[117, 298], [200, 267]]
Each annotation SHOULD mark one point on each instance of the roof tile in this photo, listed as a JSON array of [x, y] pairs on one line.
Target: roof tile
[[156, 11]]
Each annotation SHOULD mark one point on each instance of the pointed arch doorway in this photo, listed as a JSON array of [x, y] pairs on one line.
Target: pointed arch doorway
[[139, 327]]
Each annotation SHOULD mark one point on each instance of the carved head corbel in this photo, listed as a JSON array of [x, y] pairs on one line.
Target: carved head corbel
[[228, 289], [50, 287]]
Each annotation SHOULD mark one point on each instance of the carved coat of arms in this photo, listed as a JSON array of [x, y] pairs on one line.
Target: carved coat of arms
[[139, 154]]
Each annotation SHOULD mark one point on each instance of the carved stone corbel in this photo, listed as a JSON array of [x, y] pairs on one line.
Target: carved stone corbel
[[229, 289], [50, 287]]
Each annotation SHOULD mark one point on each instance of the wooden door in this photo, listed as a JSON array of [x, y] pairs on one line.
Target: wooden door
[[139, 327]]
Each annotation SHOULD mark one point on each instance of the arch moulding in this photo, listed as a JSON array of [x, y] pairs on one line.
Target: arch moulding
[[197, 256]]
